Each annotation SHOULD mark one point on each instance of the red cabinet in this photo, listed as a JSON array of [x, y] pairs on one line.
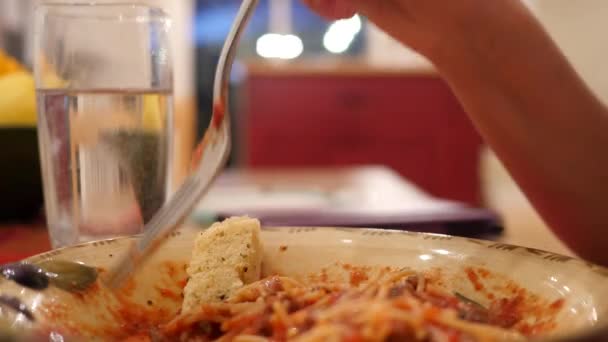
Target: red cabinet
[[410, 121]]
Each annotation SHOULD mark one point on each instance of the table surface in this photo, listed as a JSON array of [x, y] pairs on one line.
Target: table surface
[[522, 227], [18, 241]]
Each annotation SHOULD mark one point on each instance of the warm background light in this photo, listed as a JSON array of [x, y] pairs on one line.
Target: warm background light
[[281, 46], [340, 34]]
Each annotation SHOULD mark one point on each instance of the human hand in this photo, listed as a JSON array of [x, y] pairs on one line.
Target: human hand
[[435, 28]]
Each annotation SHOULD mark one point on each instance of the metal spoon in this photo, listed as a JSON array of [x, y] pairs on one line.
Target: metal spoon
[[209, 158]]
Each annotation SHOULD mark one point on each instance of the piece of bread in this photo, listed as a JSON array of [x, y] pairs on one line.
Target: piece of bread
[[225, 257]]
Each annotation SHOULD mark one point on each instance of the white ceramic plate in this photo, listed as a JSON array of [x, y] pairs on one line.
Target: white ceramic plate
[[299, 251]]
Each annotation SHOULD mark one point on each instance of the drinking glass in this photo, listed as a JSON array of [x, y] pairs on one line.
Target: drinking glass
[[104, 95]]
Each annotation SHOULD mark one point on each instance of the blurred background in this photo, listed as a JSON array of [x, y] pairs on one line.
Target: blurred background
[[311, 93]]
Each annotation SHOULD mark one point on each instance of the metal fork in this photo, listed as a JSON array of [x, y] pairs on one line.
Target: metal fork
[[209, 158]]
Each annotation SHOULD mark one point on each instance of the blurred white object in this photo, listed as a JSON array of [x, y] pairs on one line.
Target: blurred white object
[[281, 46], [341, 190], [341, 34]]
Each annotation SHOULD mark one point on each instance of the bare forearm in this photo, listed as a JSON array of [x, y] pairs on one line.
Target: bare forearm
[[545, 125], [523, 96]]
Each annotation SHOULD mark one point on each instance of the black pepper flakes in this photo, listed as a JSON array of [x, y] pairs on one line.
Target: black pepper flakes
[[150, 303], [245, 269]]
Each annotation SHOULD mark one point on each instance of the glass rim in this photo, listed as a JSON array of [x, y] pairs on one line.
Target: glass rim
[[90, 11]]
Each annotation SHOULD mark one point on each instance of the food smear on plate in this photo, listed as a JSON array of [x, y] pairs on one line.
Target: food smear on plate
[[221, 294]]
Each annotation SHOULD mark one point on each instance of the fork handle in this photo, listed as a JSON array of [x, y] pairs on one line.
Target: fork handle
[[214, 146]]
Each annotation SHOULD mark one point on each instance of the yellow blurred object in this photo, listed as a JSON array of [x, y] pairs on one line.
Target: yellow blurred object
[[17, 94], [18, 98], [49, 79], [153, 116], [8, 65]]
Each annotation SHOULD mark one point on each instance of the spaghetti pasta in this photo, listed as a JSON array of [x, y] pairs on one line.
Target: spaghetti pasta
[[387, 305]]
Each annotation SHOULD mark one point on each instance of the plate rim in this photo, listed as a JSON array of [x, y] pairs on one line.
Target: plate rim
[[595, 333]]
